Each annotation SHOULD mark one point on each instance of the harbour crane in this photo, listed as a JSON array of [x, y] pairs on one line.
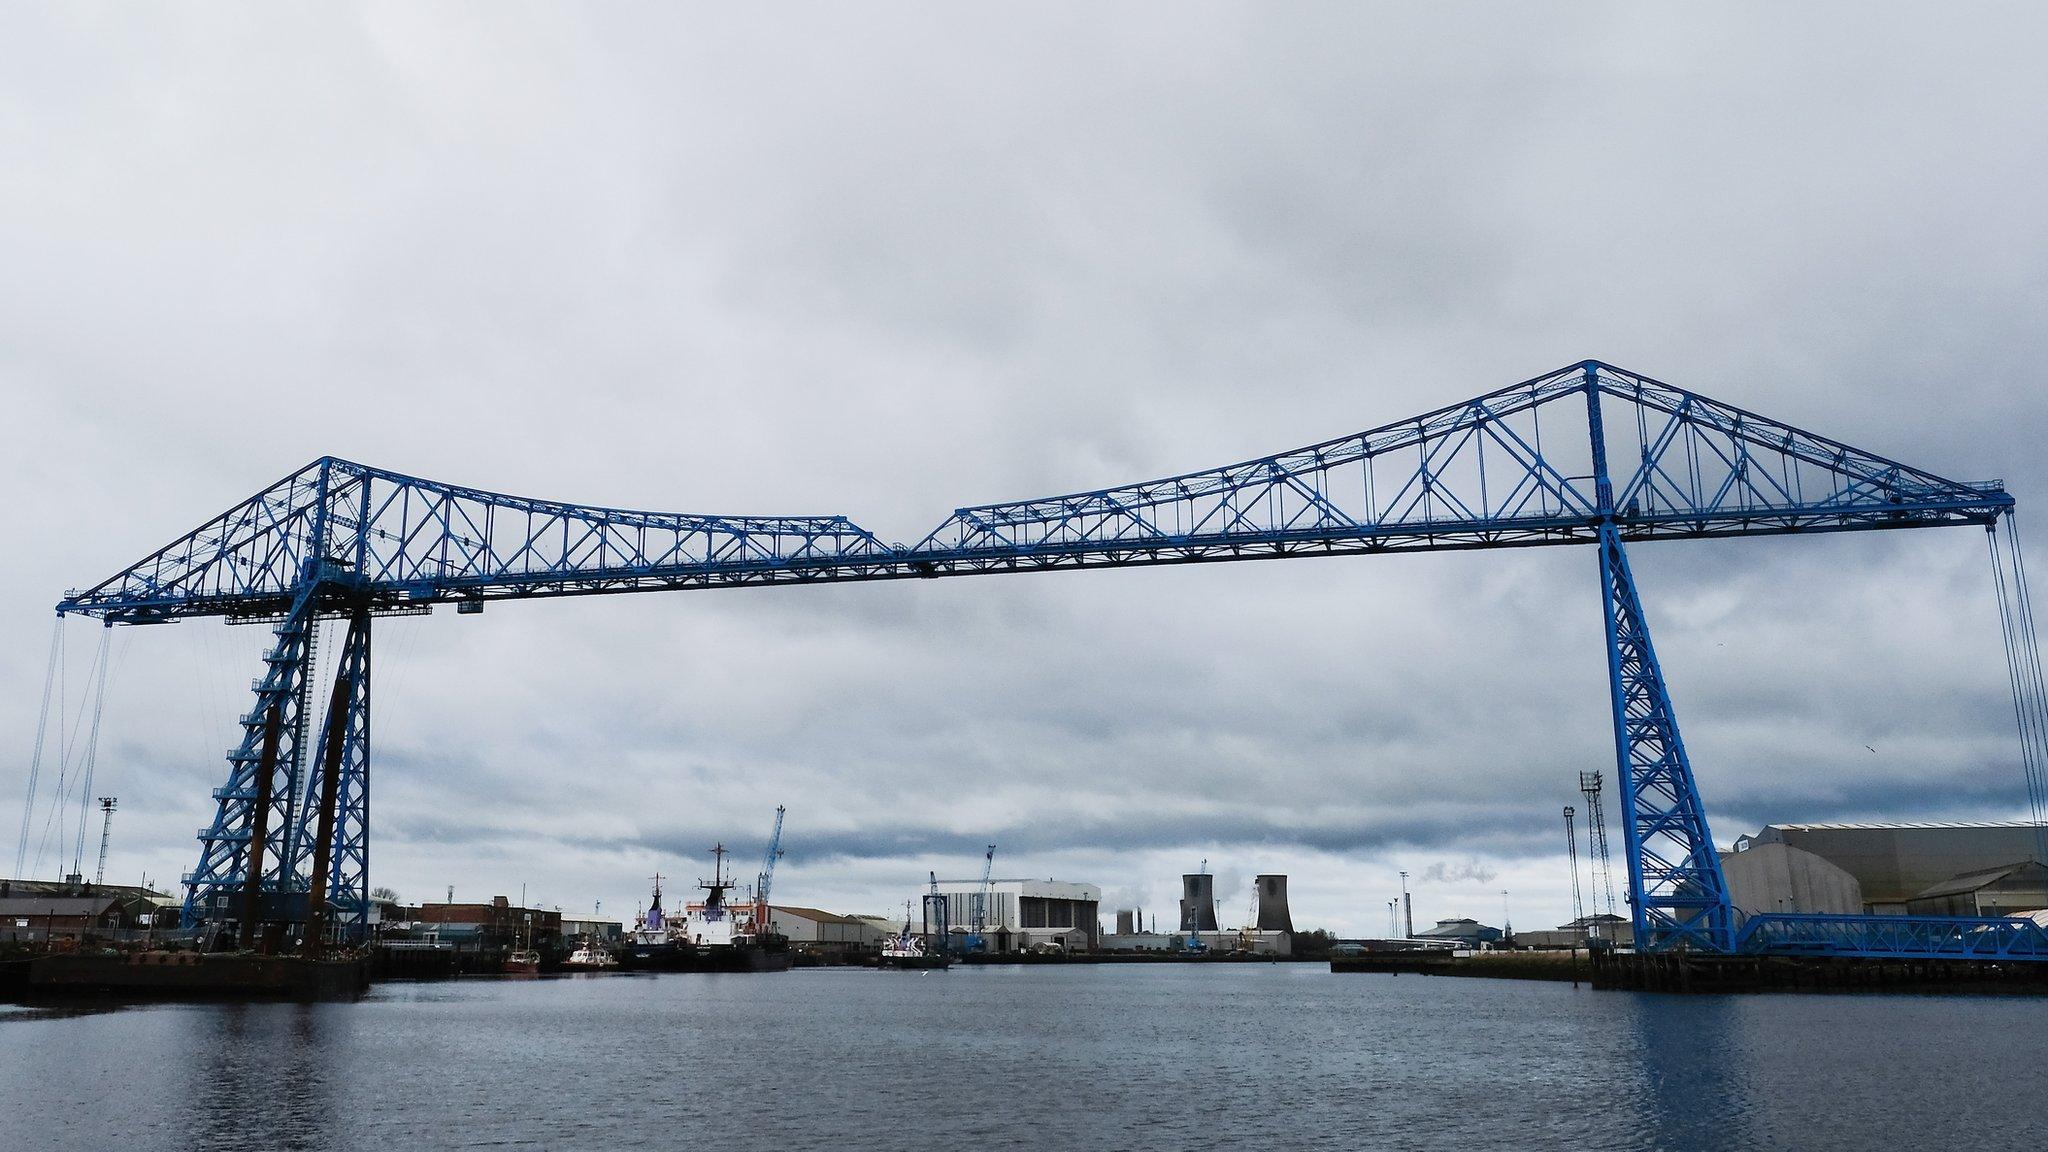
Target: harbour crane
[[1586, 455], [978, 907], [766, 879]]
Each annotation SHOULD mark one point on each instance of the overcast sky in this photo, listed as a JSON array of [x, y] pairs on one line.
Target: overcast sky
[[885, 261]]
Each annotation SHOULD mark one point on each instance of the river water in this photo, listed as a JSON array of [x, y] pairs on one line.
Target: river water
[[1279, 1056]]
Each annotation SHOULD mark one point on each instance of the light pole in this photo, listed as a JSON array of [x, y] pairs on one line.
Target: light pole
[[1407, 910]]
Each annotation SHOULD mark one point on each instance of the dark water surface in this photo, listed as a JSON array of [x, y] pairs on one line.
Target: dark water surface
[[1174, 1057]]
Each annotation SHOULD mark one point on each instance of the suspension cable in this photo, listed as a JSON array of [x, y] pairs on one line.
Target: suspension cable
[[35, 760], [2030, 653], [2023, 665], [92, 744], [54, 821]]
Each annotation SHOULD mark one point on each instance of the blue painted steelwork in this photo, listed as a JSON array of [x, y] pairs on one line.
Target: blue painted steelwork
[[348, 873], [1523, 466], [213, 889], [1511, 468], [1904, 937], [1676, 891]]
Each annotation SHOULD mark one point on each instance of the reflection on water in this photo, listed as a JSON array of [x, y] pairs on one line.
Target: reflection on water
[[1693, 1073], [258, 1075], [1286, 1056]]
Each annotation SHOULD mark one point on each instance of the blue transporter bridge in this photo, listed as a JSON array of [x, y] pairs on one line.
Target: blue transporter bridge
[[1587, 455]]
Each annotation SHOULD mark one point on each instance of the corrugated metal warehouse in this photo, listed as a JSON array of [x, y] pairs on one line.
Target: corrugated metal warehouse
[[1780, 878], [1894, 863]]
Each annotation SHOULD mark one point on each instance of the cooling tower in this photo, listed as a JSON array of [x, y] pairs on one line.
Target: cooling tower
[[1123, 922], [1198, 902], [1273, 914]]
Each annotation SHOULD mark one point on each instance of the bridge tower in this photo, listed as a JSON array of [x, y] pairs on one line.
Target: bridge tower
[[1677, 896]]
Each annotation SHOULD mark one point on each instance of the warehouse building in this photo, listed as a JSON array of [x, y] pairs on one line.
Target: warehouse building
[[1777, 877], [1027, 914], [1257, 942], [2006, 891], [818, 932], [39, 911], [1462, 931], [1895, 863], [1604, 927], [592, 928], [498, 926]]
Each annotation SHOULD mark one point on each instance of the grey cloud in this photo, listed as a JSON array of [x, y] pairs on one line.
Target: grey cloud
[[888, 263]]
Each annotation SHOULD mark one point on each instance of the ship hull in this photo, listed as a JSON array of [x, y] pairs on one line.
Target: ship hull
[[674, 956], [742, 958]]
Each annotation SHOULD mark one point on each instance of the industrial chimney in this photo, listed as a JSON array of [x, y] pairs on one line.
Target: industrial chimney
[[1273, 914], [1198, 902]]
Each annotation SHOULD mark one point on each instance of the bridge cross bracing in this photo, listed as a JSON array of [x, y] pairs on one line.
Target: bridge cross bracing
[[1589, 454]]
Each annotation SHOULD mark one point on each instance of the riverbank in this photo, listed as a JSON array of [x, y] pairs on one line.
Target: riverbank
[[1493, 965], [1680, 973]]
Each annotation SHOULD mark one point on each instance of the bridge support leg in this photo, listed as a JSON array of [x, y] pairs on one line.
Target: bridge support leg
[[334, 853], [216, 890], [1677, 895]]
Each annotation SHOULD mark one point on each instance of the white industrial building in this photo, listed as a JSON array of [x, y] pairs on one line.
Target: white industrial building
[[825, 933], [1258, 942], [1897, 863], [1774, 877], [1027, 914]]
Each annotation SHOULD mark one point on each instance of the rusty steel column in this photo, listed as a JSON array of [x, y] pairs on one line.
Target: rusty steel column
[[259, 827], [330, 784]]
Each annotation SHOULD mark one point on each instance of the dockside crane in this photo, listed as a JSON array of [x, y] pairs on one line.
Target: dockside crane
[[766, 879], [978, 907]]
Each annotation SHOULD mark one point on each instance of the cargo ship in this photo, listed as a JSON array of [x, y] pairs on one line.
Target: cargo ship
[[654, 945], [728, 939]]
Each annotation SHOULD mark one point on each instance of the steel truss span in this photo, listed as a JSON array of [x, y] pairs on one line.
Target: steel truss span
[[1588, 454]]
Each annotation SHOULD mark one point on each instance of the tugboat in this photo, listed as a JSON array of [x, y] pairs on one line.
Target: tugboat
[[653, 946], [904, 950], [726, 939], [590, 957]]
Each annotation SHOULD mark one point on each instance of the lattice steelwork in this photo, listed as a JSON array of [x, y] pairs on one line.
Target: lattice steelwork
[[1674, 875], [216, 885], [348, 875], [1527, 465], [1905, 937]]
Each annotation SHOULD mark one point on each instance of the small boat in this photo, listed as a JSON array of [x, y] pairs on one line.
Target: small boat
[[522, 962], [904, 950], [590, 958]]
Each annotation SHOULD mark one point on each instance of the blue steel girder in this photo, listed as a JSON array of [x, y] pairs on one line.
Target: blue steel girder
[[1677, 895], [1901, 937], [1508, 469]]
